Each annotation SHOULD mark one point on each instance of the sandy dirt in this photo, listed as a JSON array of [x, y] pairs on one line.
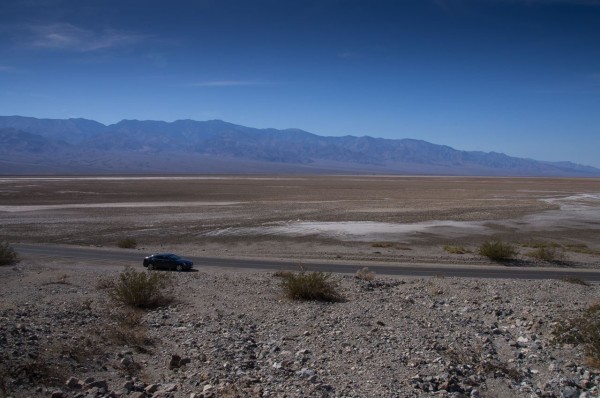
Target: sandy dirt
[[361, 218]]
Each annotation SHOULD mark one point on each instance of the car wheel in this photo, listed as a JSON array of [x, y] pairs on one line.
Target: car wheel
[[150, 267], [179, 267]]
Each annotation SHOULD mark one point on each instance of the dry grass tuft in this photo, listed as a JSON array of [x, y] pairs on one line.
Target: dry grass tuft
[[548, 253], [389, 245], [539, 244], [104, 283], [455, 249], [382, 244], [127, 243], [128, 330], [574, 280], [8, 256], [365, 274], [282, 273], [584, 329], [497, 250], [581, 248], [61, 280], [313, 286], [141, 289]]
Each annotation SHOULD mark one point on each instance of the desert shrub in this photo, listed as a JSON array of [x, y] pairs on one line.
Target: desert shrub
[[581, 248], [50, 367], [60, 280], [315, 286], [574, 280], [382, 244], [127, 243], [476, 360], [389, 245], [455, 249], [282, 273], [365, 274], [537, 244], [103, 283], [127, 329], [497, 250], [548, 253], [8, 255], [141, 289], [584, 329]]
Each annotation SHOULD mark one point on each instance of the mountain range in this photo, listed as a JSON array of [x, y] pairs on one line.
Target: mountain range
[[80, 146]]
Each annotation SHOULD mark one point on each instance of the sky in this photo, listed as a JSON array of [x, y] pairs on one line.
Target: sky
[[521, 77]]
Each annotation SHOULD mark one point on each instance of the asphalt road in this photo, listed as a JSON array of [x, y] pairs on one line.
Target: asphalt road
[[121, 256]]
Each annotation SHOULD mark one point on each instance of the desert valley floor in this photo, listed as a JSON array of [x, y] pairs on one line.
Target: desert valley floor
[[360, 218], [232, 333]]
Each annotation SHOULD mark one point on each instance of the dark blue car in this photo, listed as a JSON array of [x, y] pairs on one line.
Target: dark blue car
[[167, 261]]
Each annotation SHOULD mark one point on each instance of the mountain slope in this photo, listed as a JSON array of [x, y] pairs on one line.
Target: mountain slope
[[187, 146], [68, 130]]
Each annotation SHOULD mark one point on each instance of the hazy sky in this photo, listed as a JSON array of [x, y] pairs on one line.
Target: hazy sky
[[515, 76]]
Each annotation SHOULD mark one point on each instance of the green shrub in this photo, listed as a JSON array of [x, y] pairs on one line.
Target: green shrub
[[585, 330], [455, 249], [141, 289], [497, 250], [315, 286], [549, 254], [127, 243], [8, 255]]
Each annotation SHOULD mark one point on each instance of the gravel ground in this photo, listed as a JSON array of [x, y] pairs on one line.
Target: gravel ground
[[233, 334]]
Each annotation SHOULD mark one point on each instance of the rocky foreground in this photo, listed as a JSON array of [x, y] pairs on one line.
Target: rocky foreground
[[234, 335]]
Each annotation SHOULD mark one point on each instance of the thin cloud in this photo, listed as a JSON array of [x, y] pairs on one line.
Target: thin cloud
[[65, 36], [5, 68]]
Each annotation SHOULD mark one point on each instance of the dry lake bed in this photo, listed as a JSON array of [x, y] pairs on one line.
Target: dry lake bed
[[336, 218]]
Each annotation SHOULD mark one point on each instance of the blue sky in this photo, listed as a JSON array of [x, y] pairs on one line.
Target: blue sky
[[515, 76]]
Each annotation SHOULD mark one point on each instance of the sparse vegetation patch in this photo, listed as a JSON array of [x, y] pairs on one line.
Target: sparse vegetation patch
[[389, 245], [548, 253], [141, 289], [497, 250], [315, 286], [455, 249], [128, 330], [127, 243], [574, 280], [365, 274], [282, 273], [584, 329], [8, 255], [382, 244], [538, 244], [582, 248]]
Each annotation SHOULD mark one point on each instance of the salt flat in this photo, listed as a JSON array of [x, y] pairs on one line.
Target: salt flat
[[367, 218]]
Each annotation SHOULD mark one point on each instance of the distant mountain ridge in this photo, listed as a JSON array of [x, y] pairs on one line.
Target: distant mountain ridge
[[79, 146]]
